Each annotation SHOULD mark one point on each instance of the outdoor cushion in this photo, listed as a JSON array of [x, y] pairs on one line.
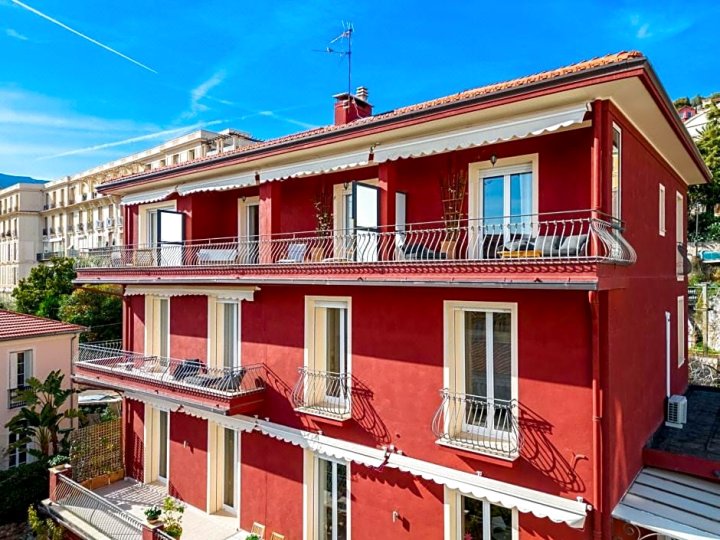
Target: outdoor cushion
[[188, 368], [573, 246], [421, 253]]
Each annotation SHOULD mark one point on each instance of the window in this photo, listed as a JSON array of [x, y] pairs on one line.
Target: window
[[176, 159], [230, 460], [681, 329], [20, 368], [328, 483], [328, 355], [249, 227], [680, 236], [477, 519], [481, 345], [163, 434], [191, 155], [157, 326], [17, 456], [229, 316], [616, 173], [661, 210]]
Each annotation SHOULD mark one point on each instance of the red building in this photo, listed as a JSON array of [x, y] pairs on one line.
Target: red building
[[458, 319]]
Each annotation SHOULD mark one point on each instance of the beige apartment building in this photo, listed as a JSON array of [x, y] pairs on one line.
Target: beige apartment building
[[66, 216]]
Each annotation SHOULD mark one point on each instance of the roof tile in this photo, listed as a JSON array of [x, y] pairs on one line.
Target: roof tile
[[15, 325]]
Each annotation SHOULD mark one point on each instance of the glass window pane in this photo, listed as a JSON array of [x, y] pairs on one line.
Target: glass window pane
[[500, 523], [342, 501], [335, 331], [367, 206], [502, 355], [229, 469], [615, 173], [325, 502], [472, 519], [164, 327], [493, 200], [475, 353], [163, 444], [230, 337], [521, 197]]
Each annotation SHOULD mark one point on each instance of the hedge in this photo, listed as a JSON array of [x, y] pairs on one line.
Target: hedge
[[20, 487]]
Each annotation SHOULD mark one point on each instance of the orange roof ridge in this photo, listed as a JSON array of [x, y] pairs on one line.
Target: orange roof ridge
[[578, 67]]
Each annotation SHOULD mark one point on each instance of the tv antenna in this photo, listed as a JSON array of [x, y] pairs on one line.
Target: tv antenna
[[346, 52]]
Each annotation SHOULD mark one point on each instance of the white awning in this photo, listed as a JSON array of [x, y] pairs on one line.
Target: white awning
[[339, 162], [672, 504], [503, 130], [222, 293], [218, 184], [540, 504], [147, 196]]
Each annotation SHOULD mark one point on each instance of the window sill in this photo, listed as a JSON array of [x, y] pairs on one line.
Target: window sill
[[468, 448], [322, 415]]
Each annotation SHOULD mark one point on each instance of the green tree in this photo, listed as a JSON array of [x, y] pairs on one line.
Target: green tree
[[100, 309], [43, 291], [681, 102], [43, 421], [703, 198]]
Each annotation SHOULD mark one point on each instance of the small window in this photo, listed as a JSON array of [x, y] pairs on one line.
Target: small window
[[681, 329], [616, 173], [176, 159], [478, 519], [16, 456], [191, 155], [661, 210], [680, 236], [163, 162]]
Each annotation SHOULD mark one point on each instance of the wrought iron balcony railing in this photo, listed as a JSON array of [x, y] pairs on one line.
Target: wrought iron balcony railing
[[103, 516], [478, 424], [323, 393], [568, 237], [191, 374], [15, 400]]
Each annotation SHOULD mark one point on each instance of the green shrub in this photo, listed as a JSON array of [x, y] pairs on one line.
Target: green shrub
[[19, 488]]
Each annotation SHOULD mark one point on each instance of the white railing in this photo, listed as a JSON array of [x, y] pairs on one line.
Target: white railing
[[568, 237], [323, 392], [99, 513], [191, 374], [478, 423]]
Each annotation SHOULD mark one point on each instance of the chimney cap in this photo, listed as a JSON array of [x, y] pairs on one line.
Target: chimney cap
[[357, 97]]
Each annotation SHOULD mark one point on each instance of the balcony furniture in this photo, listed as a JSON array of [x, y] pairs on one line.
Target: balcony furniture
[[295, 254], [418, 252], [216, 256], [189, 368], [128, 366], [258, 530], [154, 364]]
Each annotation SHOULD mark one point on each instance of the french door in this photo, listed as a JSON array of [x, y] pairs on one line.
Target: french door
[[163, 447], [252, 231], [366, 220], [333, 496], [168, 229], [230, 470]]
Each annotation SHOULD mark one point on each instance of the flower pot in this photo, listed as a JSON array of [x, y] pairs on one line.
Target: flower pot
[[116, 476], [99, 481]]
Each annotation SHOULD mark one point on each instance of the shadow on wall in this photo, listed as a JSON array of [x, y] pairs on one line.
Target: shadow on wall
[[541, 454], [365, 415]]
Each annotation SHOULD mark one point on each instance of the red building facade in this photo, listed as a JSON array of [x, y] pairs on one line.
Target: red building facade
[[455, 320]]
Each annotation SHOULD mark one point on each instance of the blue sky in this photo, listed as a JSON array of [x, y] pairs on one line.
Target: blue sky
[[68, 104]]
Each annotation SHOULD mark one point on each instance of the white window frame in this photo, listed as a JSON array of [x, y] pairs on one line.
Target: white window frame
[[453, 519], [17, 453], [215, 342], [151, 450], [454, 362], [679, 234], [617, 129], [235, 509], [27, 368], [661, 210], [243, 226], [681, 330], [153, 327], [311, 492], [313, 359], [477, 172], [145, 211]]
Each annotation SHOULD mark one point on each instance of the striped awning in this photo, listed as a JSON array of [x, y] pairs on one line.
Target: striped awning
[[673, 504]]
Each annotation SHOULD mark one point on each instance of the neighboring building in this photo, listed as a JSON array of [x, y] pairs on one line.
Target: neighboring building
[[458, 319], [20, 206], [696, 118], [30, 347], [66, 216]]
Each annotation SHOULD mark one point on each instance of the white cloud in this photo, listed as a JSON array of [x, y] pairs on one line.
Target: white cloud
[[11, 32], [200, 92]]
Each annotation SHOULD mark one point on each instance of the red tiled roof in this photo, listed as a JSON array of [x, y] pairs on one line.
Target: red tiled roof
[[587, 65], [15, 325]]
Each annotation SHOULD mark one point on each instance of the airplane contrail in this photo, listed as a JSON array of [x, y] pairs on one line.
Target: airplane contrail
[[91, 40]]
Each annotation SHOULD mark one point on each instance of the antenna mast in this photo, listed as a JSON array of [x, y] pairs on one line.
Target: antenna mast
[[347, 33]]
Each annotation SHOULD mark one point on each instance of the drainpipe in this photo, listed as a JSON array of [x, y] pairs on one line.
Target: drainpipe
[[596, 198], [72, 373]]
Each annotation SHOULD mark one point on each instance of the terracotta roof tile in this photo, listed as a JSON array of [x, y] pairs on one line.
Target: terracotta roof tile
[[15, 325], [579, 67]]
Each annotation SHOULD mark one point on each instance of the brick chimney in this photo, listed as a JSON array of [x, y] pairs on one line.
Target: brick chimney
[[349, 107]]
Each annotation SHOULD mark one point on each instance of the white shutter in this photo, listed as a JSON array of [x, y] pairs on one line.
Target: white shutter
[[28, 365], [12, 381]]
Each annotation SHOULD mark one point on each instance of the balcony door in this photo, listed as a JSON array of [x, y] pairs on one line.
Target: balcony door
[[170, 237], [228, 317], [331, 349], [506, 208], [249, 230], [333, 494], [230, 471], [163, 446], [357, 221], [486, 346]]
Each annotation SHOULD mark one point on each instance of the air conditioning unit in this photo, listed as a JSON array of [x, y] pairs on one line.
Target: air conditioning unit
[[676, 412]]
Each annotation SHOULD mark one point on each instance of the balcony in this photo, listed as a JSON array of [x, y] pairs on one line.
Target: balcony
[[323, 393], [534, 244], [228, 390], [46, 256], [478, 424], [15, 400]]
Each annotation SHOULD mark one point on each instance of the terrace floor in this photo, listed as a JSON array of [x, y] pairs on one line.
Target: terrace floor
[[134, 497]]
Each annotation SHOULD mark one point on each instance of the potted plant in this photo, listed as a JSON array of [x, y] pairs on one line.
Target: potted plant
[[153, 514], [252, 537], [323, 223], [172, 523]]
